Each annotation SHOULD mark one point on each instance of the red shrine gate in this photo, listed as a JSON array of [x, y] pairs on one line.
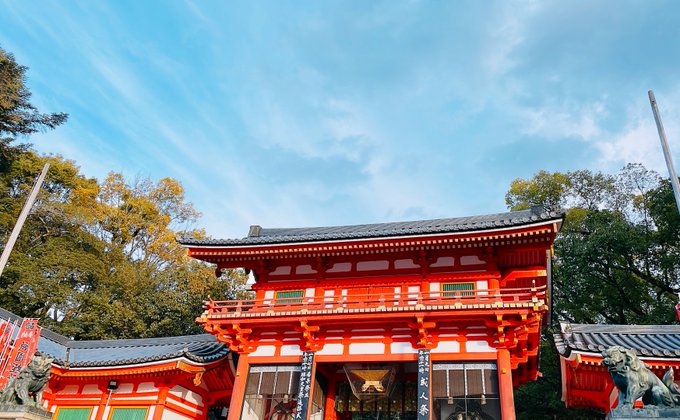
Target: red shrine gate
[[429, 319]]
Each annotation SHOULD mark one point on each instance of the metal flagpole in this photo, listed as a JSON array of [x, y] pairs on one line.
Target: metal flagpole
[[669, 164], [666, 150], [22, 218]]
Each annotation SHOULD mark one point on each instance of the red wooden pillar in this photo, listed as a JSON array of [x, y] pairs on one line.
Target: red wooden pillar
[[239, 392], [103, 402], [329, 409], [505, 385], [160, 401]]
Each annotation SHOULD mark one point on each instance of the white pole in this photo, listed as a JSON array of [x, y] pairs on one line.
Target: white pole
[[22, 218], [666, 149]]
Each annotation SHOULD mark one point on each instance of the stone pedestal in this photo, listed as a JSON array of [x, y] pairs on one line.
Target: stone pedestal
[[647, 412], [16, 412]]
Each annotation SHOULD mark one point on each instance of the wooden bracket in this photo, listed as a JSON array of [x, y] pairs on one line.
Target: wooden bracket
[[423, 328], [310, 341]]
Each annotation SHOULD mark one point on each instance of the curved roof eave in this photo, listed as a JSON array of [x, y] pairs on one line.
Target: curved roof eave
[[259, 237]]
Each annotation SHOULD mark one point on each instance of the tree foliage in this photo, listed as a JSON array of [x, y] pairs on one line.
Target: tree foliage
[[99, 259], [617, 254], [18, 116], [617, 258]]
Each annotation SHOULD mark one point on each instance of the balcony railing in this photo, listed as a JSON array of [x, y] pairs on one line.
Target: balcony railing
[[379, 302]]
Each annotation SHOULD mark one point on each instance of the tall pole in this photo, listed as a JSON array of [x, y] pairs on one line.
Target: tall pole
[[22, 218], [666, 150]]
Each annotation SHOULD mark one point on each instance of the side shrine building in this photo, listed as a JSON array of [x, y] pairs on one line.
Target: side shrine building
[[415, 320], [586, 383], [436, 319]]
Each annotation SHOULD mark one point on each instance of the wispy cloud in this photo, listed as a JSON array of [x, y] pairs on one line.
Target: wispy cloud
[[638, 140], [345, 112]]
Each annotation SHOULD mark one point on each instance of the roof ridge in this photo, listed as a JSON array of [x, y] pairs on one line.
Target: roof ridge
[[386, 229]]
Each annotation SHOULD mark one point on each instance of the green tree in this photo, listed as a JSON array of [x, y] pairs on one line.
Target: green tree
[[100, 260], [18, 116], [617, 260]]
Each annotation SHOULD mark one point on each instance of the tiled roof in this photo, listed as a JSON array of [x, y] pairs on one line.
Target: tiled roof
[[262, 236], [201, 348], [658, 341]]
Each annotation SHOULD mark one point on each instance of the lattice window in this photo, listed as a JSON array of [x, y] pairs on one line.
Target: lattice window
[[128, 414], [74, 413], [286, 297], [458, 289]]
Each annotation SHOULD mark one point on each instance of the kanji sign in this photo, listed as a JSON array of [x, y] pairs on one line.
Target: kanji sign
[[423, 385], [25, 344], [306, 383]]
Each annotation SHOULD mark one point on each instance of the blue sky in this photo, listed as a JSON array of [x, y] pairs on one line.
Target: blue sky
[[336, 112]]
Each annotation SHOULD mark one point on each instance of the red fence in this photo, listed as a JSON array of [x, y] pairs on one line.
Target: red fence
[[461, 299]]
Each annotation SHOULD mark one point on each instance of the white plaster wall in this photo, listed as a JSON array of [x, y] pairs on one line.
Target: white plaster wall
[[328, 297], [366, 348], [444, 262], [402, 348], [413, 290], [186, 395], [171, 415], [291, 350], [91, 389], [406, 263], [470, 260], [146, 387], [69, 389], [478, 347], [447, 347], [332, 349], [281, 270], [264, 351]]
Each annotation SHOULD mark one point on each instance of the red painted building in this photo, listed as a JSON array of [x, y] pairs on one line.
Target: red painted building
[[426, 319], [170, 378], [431, 319]]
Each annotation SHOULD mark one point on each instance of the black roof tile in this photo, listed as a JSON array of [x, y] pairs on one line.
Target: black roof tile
[[263, 236], [202, 348], [659, 341]]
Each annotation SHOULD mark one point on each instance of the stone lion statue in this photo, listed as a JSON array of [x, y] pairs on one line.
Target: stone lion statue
[[634, 379], [31, 381]]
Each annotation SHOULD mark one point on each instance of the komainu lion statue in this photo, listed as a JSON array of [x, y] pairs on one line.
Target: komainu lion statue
[[31, 380], [634, 380]]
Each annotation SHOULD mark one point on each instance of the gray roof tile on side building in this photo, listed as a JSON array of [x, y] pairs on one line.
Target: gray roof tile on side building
[[264, 236], [201, 348], [658, 341]]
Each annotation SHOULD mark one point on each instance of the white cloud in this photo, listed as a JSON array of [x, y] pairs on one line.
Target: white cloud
[[564, 121], [638, 141]]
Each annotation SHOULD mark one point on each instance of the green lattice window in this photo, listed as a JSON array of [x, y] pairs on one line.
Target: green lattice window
[[458, 289], [286, 297], [128, 414], [74, 413]]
